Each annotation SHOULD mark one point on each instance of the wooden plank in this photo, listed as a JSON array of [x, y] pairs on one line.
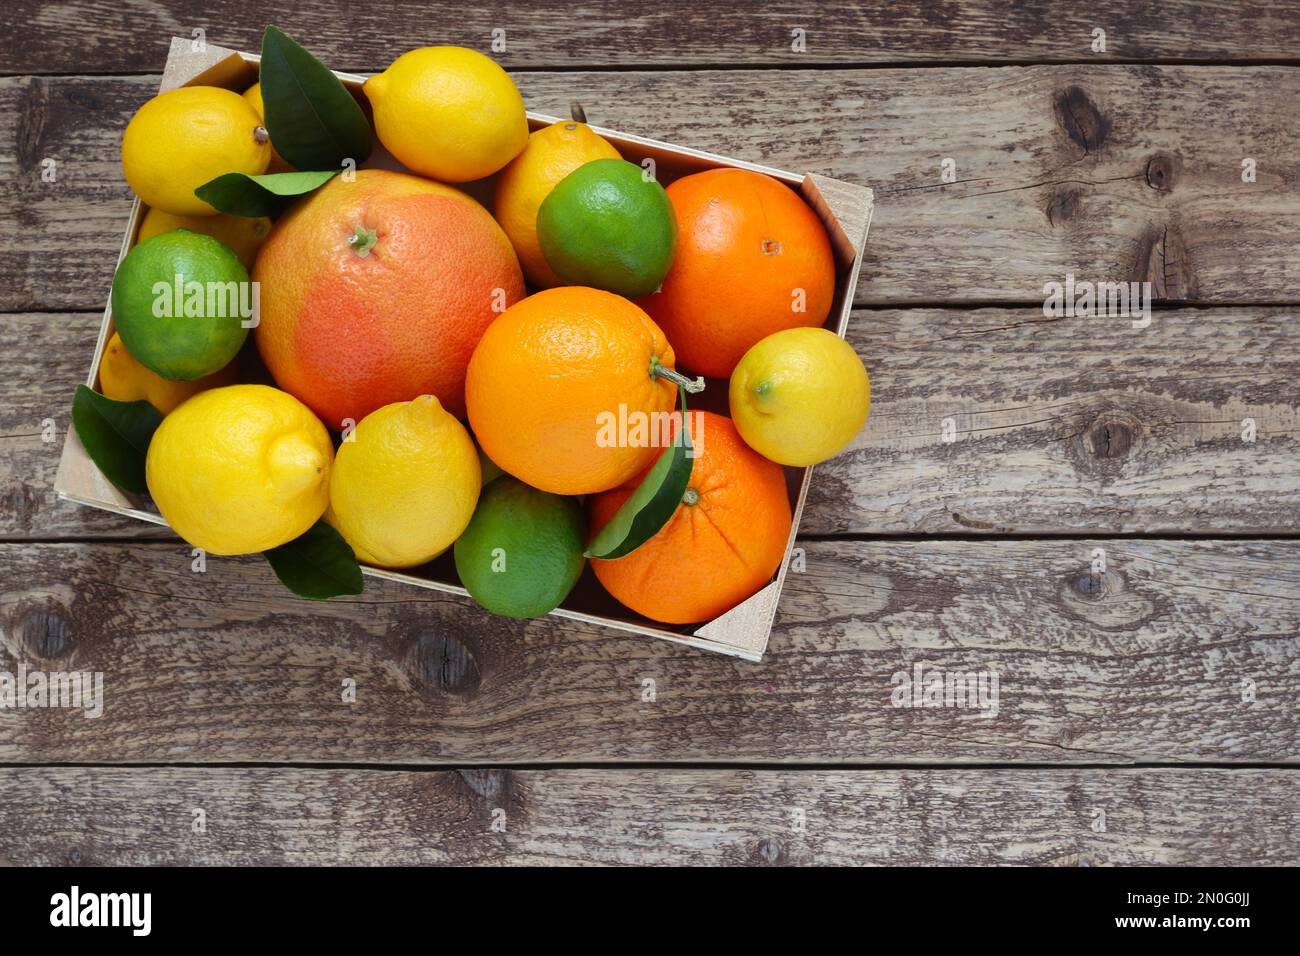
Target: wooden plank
[[291, 816], [1178, 651], [123, 39], [1108, 172], [42, 360], [1004, 421], [1058, 426]]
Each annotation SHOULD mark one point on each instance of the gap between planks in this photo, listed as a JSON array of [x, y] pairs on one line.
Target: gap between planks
[[756, 67]]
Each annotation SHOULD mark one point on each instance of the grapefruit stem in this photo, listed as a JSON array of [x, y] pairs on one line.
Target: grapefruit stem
[[677, 378], [363, 240], [260, 135]]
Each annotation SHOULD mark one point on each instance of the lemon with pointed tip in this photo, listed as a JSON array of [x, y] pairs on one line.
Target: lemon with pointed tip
[[185, 137], [800, 396], [240, 469], [405, 484], [449, 113]]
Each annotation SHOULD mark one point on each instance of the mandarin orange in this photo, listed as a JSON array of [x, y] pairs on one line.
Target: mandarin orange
[[752, 259], [724, 542], [562, 391]]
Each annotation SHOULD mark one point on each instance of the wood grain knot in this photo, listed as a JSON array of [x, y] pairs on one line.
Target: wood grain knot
[[1105, 600], [1162, 172], [1082, 121], [441, 662], [1064, 205], [44, 634], [1093, 586], [1110, 437], [1106, 441], [1164, 260], [493, 785], [769, 852]]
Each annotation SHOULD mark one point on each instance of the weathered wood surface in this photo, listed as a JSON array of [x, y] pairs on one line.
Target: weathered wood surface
[[126, 37], [1108, 172], [1005, 421], [1051, 817], [1178, 651], [42, 360], [1080, 425]]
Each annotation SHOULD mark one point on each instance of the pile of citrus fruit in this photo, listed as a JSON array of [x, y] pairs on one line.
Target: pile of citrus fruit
[[425, 374]]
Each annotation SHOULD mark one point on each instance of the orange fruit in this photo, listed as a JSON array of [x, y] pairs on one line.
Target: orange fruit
[[722, 544], [376, 291], [561, 392], [752, 259]]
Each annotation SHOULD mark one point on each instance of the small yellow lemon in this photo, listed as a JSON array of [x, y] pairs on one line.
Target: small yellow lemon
[[551, 154], [800, 396], [405, 484], [182, 138], [449, 113], [243, 234], [254, 96], [240, 469], [123, 379]]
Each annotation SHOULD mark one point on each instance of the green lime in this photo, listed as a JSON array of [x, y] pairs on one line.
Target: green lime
[[179, 302], [521, 554], [608, 226]]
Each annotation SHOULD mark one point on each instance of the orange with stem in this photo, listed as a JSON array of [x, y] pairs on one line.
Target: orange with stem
[[724, 542]]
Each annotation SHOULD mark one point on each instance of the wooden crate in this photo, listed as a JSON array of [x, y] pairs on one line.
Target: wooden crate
[[844, 208]]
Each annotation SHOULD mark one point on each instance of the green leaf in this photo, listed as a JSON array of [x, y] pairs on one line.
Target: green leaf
[[318, 564], [313, 120], [116, 435], [653, 502], [267, 195]]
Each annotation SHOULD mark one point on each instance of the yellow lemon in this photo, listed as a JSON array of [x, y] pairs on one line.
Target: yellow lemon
[[123, 379], [551, 154], [448, 113], [243, 234], [240, 469], [254, 96], [182, 138], [800, 396], [405, 484]]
